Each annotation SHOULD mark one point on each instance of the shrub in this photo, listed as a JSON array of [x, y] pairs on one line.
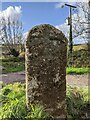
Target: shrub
[[14, 52], [80, 58]]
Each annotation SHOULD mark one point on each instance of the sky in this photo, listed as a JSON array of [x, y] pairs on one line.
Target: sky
[[35, 13]]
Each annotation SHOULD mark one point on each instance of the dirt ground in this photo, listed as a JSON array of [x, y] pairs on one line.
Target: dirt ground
[[71, 79]]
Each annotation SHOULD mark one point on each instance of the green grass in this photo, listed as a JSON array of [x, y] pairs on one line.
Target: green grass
[[12, 64], [20, 66], [11, 59], [10, 67], [78, 70], [16, 65], [78, 102], [14, 103]]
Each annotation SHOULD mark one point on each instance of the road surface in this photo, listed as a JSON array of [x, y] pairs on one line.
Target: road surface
[[73, 79]]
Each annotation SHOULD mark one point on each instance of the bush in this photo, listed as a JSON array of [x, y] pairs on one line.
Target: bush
[[14, 52], [80, 58]]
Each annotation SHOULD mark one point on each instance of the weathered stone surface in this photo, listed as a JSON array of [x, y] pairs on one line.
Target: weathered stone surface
[[46, 57]]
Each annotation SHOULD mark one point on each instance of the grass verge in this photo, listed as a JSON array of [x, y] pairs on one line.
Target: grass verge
[[17, 64], [14, 104], [9, 67], [78, 70], [12, 64]]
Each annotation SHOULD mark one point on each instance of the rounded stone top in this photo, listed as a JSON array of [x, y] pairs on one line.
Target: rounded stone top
[[47, 30]]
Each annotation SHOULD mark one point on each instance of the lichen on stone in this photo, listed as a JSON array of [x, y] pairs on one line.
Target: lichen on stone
[[46, 58]]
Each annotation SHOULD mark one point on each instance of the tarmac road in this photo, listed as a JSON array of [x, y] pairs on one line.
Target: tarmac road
[[71, 79]]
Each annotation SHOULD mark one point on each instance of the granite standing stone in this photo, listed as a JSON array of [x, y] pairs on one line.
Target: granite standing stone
[[46, 58]]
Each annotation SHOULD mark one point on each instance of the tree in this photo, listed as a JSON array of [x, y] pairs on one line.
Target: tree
[[11, 35], [80, 22]]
